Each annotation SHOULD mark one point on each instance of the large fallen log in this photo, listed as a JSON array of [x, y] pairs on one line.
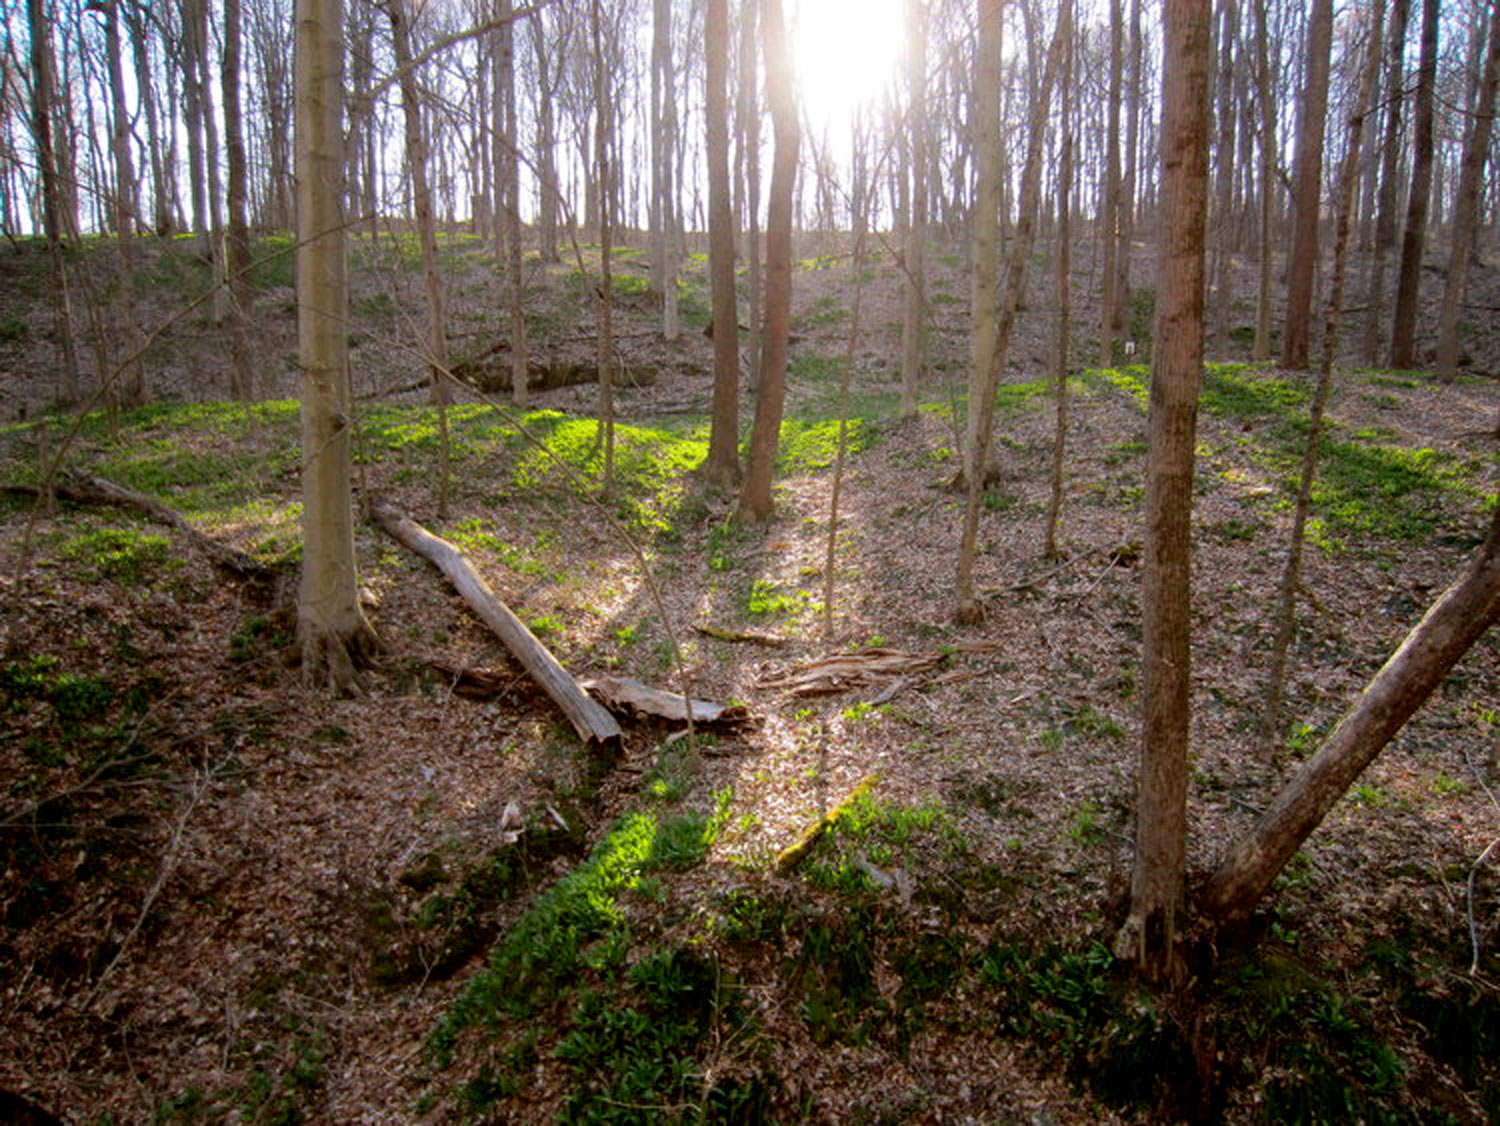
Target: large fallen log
[[83, 488], [592, 722], [624, 693]]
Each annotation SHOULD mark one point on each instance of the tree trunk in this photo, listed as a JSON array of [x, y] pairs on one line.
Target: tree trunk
[[1448, 630], [132, 373], [1466, 206], [332, 634], [1064, 303], [984, 257], [605, 344], [1109, 222], [237, 244], [1261, 349], [52, 229], [1224, 191], [1286, 595], [755, 498], [914, 319], [510, 195], [1149, 937], [722, 467], [748, 130], [983, 404], [1414, 238], [546, 142], [663, 146], [141, 46], [1307, 191], [1390, 152], [1134, 100]]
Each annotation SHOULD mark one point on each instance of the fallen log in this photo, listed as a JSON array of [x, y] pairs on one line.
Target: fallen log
[[592, 722], [623, 693], [755, 637], [843, 671], [791, 856], [83, 488]]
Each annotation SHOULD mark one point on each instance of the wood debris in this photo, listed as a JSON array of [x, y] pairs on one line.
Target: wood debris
[[625, 694], [843, 671]]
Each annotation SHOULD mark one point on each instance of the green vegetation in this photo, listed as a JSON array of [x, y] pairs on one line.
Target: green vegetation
[[125, 555]]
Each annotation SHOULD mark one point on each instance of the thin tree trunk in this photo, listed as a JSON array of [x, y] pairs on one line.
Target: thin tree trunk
[[1385, 219], [42, 132], [984, 257], [546, 142], [1224, 194], [1448, 630], [141, 45], [333, 636], [1414, 237], [1149, 938], [755, 498], [1064, 303], [748, 130], [605, 344], [1129, 208], [133, 374], [722, 467], [968, 610], [1307, 191], [1286, 595], [421, 191], [237, 244], [914, 318], [1466, 207], [1261, 350], [1109, 226], [510, 193]]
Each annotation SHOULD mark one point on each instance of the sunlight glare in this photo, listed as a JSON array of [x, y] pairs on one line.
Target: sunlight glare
[[847, 52]]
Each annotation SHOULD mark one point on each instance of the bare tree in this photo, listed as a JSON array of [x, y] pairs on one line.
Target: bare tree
[[914, 316], [984, 257], [332, 634], [1307, 189], [1064, 302], [237, 239], [1414, 237], [723, 464], [1466, 206], [123, 197], [1390, 151], [755, 497], [1109, 221], [1149, 938]]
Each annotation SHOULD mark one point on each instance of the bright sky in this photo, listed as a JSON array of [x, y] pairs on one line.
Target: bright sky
[[847, 51]]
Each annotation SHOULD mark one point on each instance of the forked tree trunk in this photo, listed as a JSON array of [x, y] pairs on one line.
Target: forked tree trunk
[[1414, 237], [1466, 207], [1307, 191], [1448, 630], [1149, 938], [722, 467], [983, 405], [755, 497], [1291, 575], [332, 634], [914, 314]]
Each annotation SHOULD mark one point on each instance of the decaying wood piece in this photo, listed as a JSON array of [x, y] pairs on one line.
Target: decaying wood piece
[[83, 488], [843, 671], [753, 636], [791, 856], [625, 694], [477, 682], [592, 722]]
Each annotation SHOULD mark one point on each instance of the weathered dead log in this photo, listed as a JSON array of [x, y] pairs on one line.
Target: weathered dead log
[[623, 693], [754, 637], [592, 722], [843, 671], [83, 488]]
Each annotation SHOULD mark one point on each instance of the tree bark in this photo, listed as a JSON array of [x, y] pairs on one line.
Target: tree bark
[[605, 344], [237, 242], [984, 257], [968, 611], [1149, 938], [748, 130], [1261, 350], [1307, 192], [1414, 237], [1390, 152], [914, 313], [755, 497], [1064, 304], [1448, 630], [1109, 221], [1466, 207], [332, 634], [589, 719], [133, 374], [722, 467]]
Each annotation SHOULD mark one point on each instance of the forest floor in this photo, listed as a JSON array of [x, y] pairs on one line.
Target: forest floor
[[226, 897]]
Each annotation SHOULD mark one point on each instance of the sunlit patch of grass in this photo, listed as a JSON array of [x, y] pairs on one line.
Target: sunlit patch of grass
[[809, 446]]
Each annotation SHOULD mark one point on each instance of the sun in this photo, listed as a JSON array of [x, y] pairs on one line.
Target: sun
[[847, 52]]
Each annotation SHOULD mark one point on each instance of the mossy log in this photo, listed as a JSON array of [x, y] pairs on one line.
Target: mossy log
[[791, 856]]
